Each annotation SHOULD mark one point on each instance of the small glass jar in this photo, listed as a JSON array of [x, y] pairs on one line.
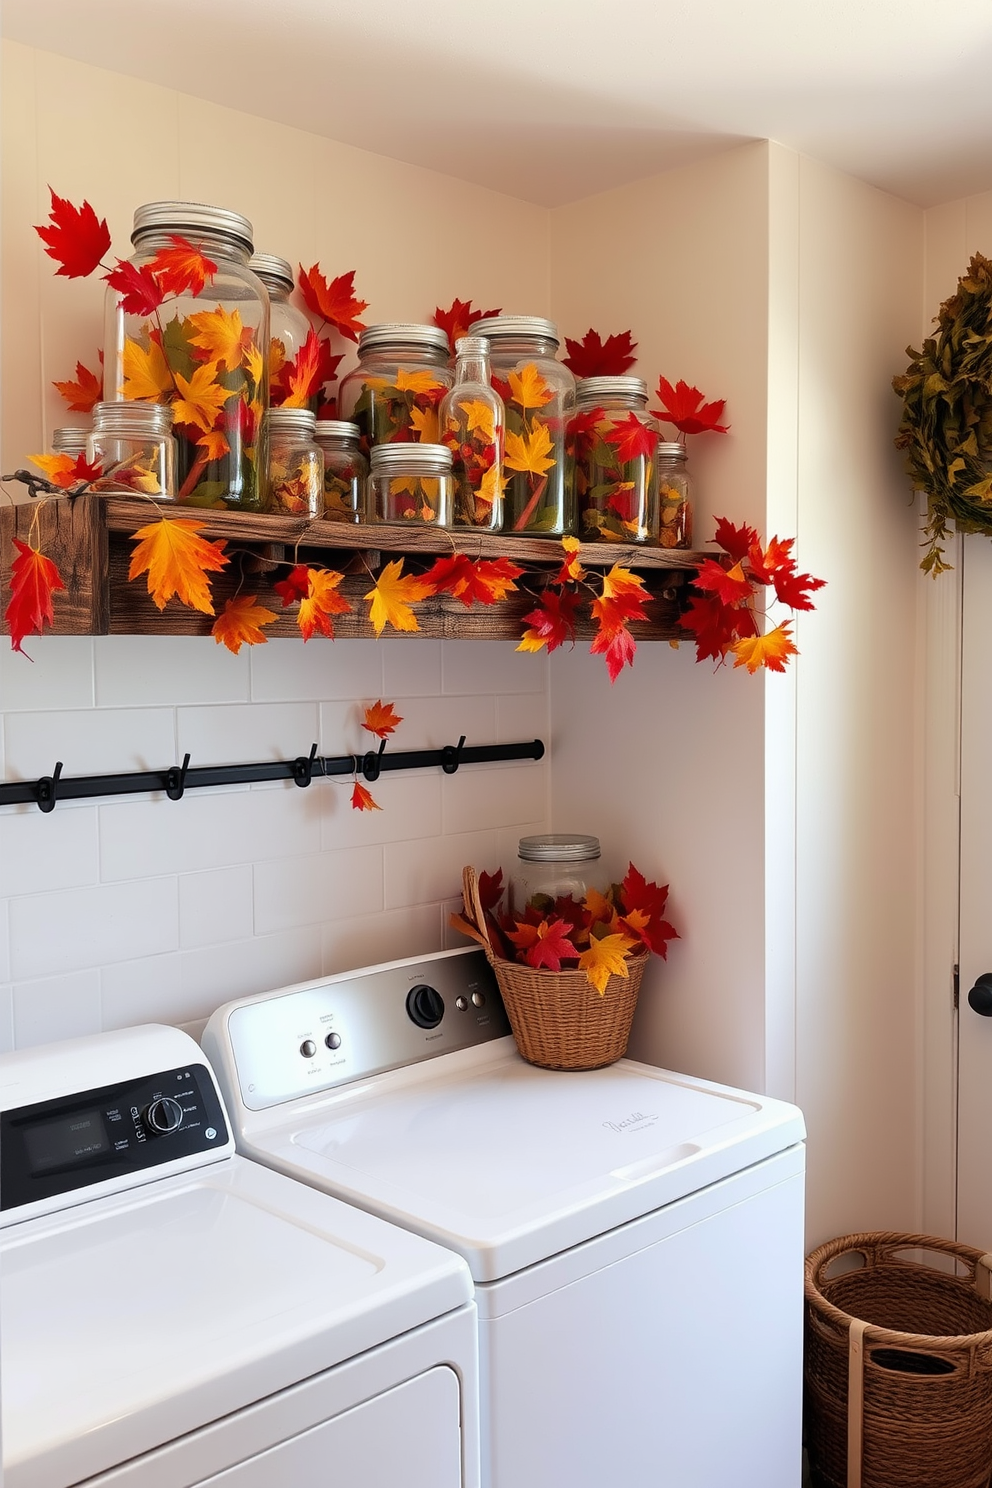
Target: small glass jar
[[674, 496], [554, 865], [539, 395], [69, 441], [411, 484], [133, 445], [401, 377], [472, 426], [288, 326], [203, 350], [615, 441], [346, 470], [296, 463]]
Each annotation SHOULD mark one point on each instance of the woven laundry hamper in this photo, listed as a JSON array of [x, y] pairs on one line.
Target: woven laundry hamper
[[898, 1363], [560, 1021]]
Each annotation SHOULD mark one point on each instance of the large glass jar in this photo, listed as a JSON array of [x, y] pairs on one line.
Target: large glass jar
[[554, 865], [202, 349], [411, 484], [346, 470], [296, 463], [133, 445], [288, 326], [675, 496], [539, 394], [394, 392], [615, 441], [472, 426]]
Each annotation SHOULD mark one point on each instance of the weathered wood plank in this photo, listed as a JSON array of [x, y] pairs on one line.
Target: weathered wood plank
[[73, 534]]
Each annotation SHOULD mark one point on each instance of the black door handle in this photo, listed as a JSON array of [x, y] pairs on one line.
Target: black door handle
[[980, 996]]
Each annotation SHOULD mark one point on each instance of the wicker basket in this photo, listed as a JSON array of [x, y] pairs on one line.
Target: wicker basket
[[560, 1022], [899, 1363]]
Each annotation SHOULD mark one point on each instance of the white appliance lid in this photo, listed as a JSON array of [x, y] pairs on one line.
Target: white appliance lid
[[509, 1164], [133, 1319]]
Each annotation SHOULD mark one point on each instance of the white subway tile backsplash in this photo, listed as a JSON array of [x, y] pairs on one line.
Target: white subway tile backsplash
[[92, 741], [309, 890], [411, 808], [238, 733], [59, 674], [136, 671], [4, 943], [507, 842], [365, 940], [40, 851], [480, 796], [6, 1019], [218, 974], [58, 1007], [521, 716], [290, 669], [61, 932], [418, 872], [215, 906], [411, 670], [466, 663], [148, 990], [431, 723]]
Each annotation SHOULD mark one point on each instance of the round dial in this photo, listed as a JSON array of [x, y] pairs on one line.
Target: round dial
[[163, 1115], [425, 1006]]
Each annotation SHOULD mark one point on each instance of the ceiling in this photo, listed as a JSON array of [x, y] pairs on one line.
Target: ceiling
[[553, 100]]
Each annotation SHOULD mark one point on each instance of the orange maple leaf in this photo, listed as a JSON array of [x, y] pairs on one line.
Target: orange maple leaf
[[240, 623], [320, 602], [177, 561], [531, 452], [147, 375], [201, 398], [361, 799], [528, 388], [66, 471], [303, 374], [33, 580], [771, 650], [222, 335], [334, 302], [392, 595], [479, 581], [571, 570], [381, 719], [83, 394], [622, 598], [182, 267], [617, 647]]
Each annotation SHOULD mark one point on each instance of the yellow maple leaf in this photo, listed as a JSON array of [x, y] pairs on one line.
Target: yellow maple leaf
[[240, 623], [493, 484], [277, 360], [146, 373], [605, 958], [771, 650], [58, 468], [201, 398], [571, 569], [532, 640], [416, 382], [528, 388], [530, 451], [392, 596], [424, 420], [480, 418], [177, 561], [320, 602], [254, 362], [222, 334]]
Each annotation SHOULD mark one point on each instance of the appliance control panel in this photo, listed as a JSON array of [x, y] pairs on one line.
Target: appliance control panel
[[119, 1131], [316, 1035]]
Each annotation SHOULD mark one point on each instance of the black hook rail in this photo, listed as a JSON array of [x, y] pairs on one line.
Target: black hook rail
[[178, 779]]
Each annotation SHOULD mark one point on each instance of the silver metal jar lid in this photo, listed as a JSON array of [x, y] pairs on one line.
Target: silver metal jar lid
[[131, 417], [515, 327], [292, 421], [388, 458], [558, 847], [337, 429], [673, 450], [399, 333], [191, 217], [270, 267], [69, 441], [592, 389]]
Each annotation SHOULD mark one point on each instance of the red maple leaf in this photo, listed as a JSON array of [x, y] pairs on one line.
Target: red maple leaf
[[295, 586], [77, 239], [33, 580], [552, 622], [334, 302], [456, 320], [582, 430], [631, 438], [490, 888], [776, 566], [593, 357], [624, 501], [82, 395], [683, 406], [737, 541], [306, 372], [381, 719], [544, 944], [645, 902], [182, 268], [731, 585], [361, 799], [716, 626], [791, 588], [140, 291], [617, 646], [480, 581]]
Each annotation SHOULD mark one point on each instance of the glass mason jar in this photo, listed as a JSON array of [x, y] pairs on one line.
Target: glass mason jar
[[288, 326], [472, 426], [539, 394], [296, 463], [346, 470], [202, 350], [69, 441], [411, 484], [615, 441], [554, 865], [675, 496], [133, 445], [401, 377]]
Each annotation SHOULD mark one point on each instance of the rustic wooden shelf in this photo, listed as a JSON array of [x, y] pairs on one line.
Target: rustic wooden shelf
[[89, 538]]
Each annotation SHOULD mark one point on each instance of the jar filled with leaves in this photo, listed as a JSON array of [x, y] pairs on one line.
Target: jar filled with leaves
[[552, 866], [538, 392], [674, 495], [296, 463], [411, 484], [345, 470], [133, 446], [188, 326], [394, 392], [472, 426], [289, 331], [615, 441]]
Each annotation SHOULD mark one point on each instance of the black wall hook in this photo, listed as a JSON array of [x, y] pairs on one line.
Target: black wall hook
[[48, 789], [303, 768], [175, 780], [372, 762], [451, 756]]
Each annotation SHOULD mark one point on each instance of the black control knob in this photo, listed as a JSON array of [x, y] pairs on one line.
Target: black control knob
[[980, 996], [163, 1116], [424, 1006]]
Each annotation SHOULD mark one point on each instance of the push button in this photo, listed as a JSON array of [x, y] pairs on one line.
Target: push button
[[479, 999], [333, 1041], [308, 1048], [461, 1003]]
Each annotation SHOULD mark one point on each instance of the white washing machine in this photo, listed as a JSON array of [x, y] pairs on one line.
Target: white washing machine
[[635, 1236], [174, 1315]]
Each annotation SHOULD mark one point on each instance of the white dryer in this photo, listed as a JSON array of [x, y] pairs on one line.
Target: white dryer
[[174, 1315], [635, 1236]]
